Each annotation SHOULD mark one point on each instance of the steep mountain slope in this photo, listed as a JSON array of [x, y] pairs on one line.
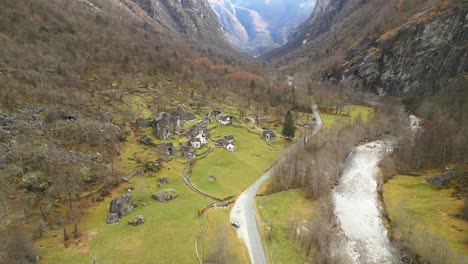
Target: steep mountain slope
[[389, 47], [416, 58], [75, 76], [259, 26], [195, 19]]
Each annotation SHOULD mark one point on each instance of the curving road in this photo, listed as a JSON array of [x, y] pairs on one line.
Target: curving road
[[243, 210]]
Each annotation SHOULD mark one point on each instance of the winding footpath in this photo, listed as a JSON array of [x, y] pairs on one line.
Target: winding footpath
[[243, 210]]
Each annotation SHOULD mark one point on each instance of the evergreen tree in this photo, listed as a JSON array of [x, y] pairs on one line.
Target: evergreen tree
[[288, 128]]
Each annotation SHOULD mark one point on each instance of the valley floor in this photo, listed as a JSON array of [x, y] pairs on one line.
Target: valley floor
[[420, 216]]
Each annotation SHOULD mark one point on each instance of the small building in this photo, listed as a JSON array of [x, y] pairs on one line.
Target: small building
[[226, 120], [196, 143], [206, 120], [188, 152], [215, 113], [226, 144], [168, 148], [229, 138], [198, 134], [268, 134]]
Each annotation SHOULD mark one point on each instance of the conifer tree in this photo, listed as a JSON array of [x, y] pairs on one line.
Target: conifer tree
[[288, 128]]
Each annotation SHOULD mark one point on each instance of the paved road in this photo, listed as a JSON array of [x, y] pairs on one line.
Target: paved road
[[243, 210]]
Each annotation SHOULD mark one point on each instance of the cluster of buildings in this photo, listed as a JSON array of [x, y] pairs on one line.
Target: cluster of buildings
[[225, 120], [167, 124]]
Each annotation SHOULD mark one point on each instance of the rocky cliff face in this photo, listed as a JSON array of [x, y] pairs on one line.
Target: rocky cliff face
[[193, 18], [416, 58], [321, 20], [257, 26]]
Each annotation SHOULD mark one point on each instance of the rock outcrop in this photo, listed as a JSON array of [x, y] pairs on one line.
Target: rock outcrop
[[118, 207], [147, 140], [193, 18], [416, 58], [165, 196], [107, 117], [136, 220], [165, 125], [443, 179]]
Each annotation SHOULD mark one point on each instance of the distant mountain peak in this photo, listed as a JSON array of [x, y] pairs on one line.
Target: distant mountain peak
[[258, 26]]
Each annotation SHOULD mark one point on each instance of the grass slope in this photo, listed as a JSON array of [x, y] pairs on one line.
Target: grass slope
[[167, 235], [235, 171], [278, 211], [436, 236]]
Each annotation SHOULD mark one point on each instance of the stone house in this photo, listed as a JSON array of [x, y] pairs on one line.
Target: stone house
[[268, 134], [226, 120], [196, 143], [188, 152], [229, 138], [226, 144], [168, 148]]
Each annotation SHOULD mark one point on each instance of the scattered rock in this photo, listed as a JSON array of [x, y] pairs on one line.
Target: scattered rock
[[212, 178], [443, 179], [107, 117], [39, 187], [144, 122], [6, 120], [166, 125], [182, 114], [147, 140], [136, 220], [35, 182], [119, 206], [165, 196], [153, 166], [456, 215], [113, 218], [163, 180]]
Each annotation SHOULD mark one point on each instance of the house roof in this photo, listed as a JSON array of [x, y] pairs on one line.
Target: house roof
[[167, 145], [187, 149], [269, 132]]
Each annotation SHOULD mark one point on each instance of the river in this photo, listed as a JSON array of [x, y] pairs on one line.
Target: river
[[358, 209], [357, 204]]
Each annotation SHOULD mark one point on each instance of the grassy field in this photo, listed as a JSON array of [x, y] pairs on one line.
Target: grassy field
[[355, 111], [411, 201], [167, 235], [278, 211], [221, 241], [235, 171]]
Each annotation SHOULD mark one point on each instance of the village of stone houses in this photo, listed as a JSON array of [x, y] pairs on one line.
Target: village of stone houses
[[203, 151]]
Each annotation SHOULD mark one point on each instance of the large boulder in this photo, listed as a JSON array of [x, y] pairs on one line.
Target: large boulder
[[166, 125], [153, 166], [118, 207], [182, 114], [147, 140], [165, 196], [106, 117], [136, 220], [113, 218], [443, 179], [144, 122]]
